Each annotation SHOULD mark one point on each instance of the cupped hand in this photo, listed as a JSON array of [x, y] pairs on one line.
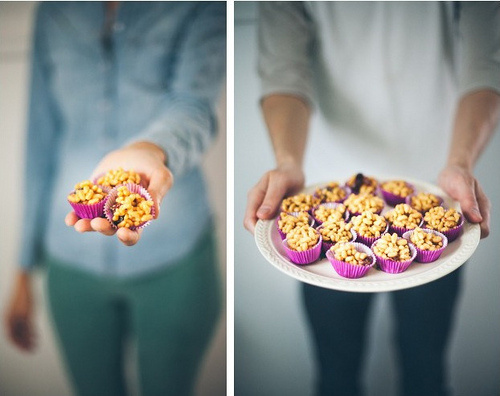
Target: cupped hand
[[264, 199], [461, 185], [148, 160], [18, 319]]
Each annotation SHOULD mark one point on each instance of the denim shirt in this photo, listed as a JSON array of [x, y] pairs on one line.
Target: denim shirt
[[154, 74]]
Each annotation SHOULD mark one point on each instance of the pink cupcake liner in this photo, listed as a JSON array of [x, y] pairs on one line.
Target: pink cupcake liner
[[395, 267], [84, 211], [330, 205], [307, 257], [295, 214], [454, 233], [427, 256], [393, 199], [401, 230], [408, 200], [351, 271], [368, 241], [326, 245], [134, 188]]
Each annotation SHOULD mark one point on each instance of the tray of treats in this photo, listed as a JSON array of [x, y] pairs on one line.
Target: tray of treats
[[368, 235]]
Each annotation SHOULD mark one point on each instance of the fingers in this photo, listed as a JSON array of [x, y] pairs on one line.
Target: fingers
[[484, 208], [160, 182], [103, 226], [276, 190], [128, 237], [21, 333], [254, 200], [71, 219]]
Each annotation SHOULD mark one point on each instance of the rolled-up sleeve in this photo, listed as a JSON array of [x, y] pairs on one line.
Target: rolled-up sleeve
[[285, 37], [186, 124], [41, 147], [479, 26]]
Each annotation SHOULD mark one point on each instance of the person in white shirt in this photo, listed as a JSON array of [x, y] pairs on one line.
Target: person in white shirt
[[409, 88]]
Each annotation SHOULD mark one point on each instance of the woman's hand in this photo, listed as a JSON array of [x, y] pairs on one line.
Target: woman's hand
[[18, 318], [148, 160], [460, 184], [265, 197]]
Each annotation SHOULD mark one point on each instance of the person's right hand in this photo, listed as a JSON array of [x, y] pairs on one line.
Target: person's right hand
[[265, 197], [18, 318]]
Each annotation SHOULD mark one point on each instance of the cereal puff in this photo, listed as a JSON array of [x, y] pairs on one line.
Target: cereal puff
[[129, 206], [332, 192], [116, 177], [334, 231], [351, 259], [361, 184], [359, 203], [286, 222], [369, 227], [394, 254], [396, 191], [403, 218], [303, 245], [299, 203], [429, 244], [447, 221], [88, 200], [423, 201]]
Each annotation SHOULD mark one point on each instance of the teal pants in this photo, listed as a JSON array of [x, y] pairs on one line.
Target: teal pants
[[170, 315]]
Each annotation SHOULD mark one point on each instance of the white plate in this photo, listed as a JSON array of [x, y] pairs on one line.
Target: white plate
[[322, 274]]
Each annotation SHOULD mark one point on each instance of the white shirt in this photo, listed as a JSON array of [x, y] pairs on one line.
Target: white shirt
[[386, 77]]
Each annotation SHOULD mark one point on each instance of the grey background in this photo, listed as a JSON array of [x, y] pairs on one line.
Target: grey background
[[273, 353]]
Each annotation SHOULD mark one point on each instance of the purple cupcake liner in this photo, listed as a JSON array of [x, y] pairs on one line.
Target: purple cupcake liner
[[401, 230], [133, 188], [393, 199], [427, 256], [368, 241], [408, 201], [330, 205], [351, 271], [307, 257], [326, 245], [396, 267], [295, 214], [454, 232], [84, 211]]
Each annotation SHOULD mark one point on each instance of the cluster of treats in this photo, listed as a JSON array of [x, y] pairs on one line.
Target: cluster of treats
[[115, 195], [130, 209], [363, 220], [87, 193]]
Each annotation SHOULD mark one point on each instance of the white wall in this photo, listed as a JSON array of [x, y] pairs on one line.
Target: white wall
[[42, 373], [272, 351]]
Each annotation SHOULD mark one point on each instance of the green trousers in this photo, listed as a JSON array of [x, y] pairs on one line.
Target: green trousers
[[170, 316]]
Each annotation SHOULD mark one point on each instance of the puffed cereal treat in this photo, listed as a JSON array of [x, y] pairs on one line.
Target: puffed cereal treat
[[351, 259], [116, 177], [394, 254], [88, 200], [129, 206], [303, 245], [332, 192], [359, 203], [447, 221], [299, 203], [423, 201], [361, 184], [369, 227], [429, 244], [329, 211], [333, 232], [288, 221], [403, 218], [396, 191]]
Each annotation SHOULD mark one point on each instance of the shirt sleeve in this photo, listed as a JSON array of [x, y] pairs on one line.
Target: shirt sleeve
[[41, 146], [479, 27], [186, 124], [285, 39]]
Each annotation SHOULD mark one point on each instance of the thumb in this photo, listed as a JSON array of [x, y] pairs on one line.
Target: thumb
[[469, 204], [272, 200], [160, 182]]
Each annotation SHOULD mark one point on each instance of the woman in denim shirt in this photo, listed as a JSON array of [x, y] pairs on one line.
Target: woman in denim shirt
[[131, 85]]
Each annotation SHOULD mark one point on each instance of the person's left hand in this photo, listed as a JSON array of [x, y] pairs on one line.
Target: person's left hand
[[148, 160], [461, 185]]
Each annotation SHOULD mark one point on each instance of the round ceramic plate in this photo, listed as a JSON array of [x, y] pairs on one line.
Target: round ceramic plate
[[321, 273]]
